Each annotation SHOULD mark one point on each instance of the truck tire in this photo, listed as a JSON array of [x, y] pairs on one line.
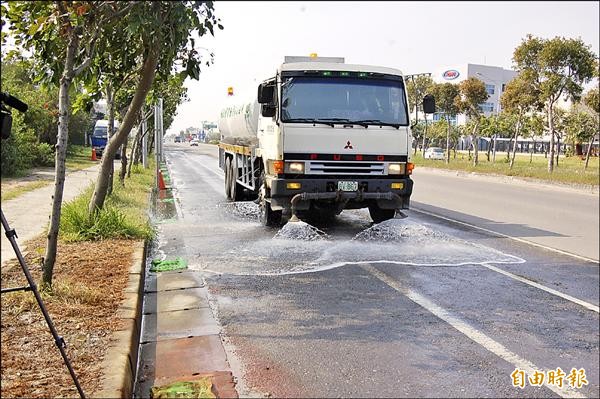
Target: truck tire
[[237, 190], [228, 177], [268, 217], [379, 215]]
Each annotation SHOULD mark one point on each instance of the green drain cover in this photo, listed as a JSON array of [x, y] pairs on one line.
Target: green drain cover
[[186, 389], [168, 265]]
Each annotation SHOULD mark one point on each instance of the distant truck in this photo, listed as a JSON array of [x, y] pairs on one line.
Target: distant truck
[[100, 137], [321, 136]]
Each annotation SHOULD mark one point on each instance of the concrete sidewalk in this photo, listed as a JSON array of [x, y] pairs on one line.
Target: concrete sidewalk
[[29, 214]]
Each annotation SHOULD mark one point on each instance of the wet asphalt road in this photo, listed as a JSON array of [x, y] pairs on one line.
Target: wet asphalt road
[[416, 307]]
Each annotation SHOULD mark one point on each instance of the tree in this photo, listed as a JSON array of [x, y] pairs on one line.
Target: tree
[[555, 68], [473, 93], [148, 28], [520, 96], [416, 88], [447, 100], [62, 37], [592, 101]]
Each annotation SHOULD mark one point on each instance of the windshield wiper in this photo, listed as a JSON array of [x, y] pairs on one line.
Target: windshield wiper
[[308, 120], [376, 122], [344, 120]]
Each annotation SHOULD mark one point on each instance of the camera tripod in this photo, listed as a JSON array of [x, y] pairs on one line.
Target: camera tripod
[[58, 340]]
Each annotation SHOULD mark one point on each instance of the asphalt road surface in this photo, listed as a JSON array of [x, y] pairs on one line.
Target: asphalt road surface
[[414, 307]]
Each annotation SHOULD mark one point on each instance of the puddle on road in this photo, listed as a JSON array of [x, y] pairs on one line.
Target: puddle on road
[[164, 209], [302, 249]]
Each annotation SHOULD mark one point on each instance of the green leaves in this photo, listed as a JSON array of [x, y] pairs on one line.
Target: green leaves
[[473, 93], [554, 67]]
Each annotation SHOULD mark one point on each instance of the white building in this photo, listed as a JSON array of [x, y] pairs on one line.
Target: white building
[[495, 79]]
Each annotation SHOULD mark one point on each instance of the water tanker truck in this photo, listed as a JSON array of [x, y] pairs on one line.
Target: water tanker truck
[[321, 136]]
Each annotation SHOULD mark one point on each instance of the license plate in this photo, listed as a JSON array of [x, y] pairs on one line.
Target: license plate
[[348, 185]]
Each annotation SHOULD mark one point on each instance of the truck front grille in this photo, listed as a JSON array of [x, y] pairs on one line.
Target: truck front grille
[[344, 168]]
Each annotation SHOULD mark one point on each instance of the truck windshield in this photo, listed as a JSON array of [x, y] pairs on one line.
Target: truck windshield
[[368, 101], [100, 131]]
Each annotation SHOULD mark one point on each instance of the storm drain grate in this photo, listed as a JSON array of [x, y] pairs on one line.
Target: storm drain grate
[[186, 389], [168, 265]]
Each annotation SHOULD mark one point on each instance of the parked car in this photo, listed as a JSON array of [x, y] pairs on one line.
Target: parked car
[[194, 142], [434, 153]]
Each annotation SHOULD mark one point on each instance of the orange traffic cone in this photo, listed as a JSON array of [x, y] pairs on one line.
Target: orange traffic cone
[[94, 155], [161, 181]]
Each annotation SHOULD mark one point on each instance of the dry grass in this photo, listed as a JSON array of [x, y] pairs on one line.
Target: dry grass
[[89, 279]]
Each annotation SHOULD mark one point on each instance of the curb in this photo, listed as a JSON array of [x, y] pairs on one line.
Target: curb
[[120, 360]]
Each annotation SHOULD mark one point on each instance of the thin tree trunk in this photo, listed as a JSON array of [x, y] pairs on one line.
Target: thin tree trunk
[[151, 137], [475, 144], [448, 141], [111, 132], [146, 79], [123, 163], [514, 152], [588, 152], [551, 128], [557, 149], [64, 106], [134, 150]]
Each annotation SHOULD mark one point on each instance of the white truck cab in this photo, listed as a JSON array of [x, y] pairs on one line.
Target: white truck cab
[[330, 136]]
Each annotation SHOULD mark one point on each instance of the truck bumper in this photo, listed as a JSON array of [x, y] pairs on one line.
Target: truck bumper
[[325, 190]]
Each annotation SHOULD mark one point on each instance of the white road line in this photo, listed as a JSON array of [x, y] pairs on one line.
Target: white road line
[[477, 336], [506, 236], [585, 304], [544, 288]]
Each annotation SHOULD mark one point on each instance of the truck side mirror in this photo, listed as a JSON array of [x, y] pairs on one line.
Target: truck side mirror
[[268, 110], [429, 104], [265, 93]]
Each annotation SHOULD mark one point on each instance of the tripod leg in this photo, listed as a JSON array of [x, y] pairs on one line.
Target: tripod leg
[[58, 340]]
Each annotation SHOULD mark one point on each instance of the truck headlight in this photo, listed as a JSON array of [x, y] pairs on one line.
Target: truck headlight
[[294, 167], [396, 168]]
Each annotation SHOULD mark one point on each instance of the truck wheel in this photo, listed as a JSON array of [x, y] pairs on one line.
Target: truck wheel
[[379, 215], [268, 217], [228, 178], [237, 190]]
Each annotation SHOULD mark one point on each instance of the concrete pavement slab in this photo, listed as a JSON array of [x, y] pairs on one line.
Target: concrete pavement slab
[[178, 324], [173, 281], [164, 361], [165, 301]]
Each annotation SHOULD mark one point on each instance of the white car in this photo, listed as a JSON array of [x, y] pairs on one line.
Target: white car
[[434, 153], [194, 142]]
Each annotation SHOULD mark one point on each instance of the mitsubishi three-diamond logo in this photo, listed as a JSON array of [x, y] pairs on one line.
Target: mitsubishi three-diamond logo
[[348, 146]]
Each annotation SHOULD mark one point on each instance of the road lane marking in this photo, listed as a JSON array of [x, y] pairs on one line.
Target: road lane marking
[[475, 335], [583, 303], [506, 236], [544, 288]]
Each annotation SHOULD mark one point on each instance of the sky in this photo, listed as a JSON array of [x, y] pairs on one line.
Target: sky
[[413, 37]]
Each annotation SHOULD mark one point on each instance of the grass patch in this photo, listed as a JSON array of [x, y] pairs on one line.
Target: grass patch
[[125, 212], [79, 157], [15, 192], [569, 170]]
